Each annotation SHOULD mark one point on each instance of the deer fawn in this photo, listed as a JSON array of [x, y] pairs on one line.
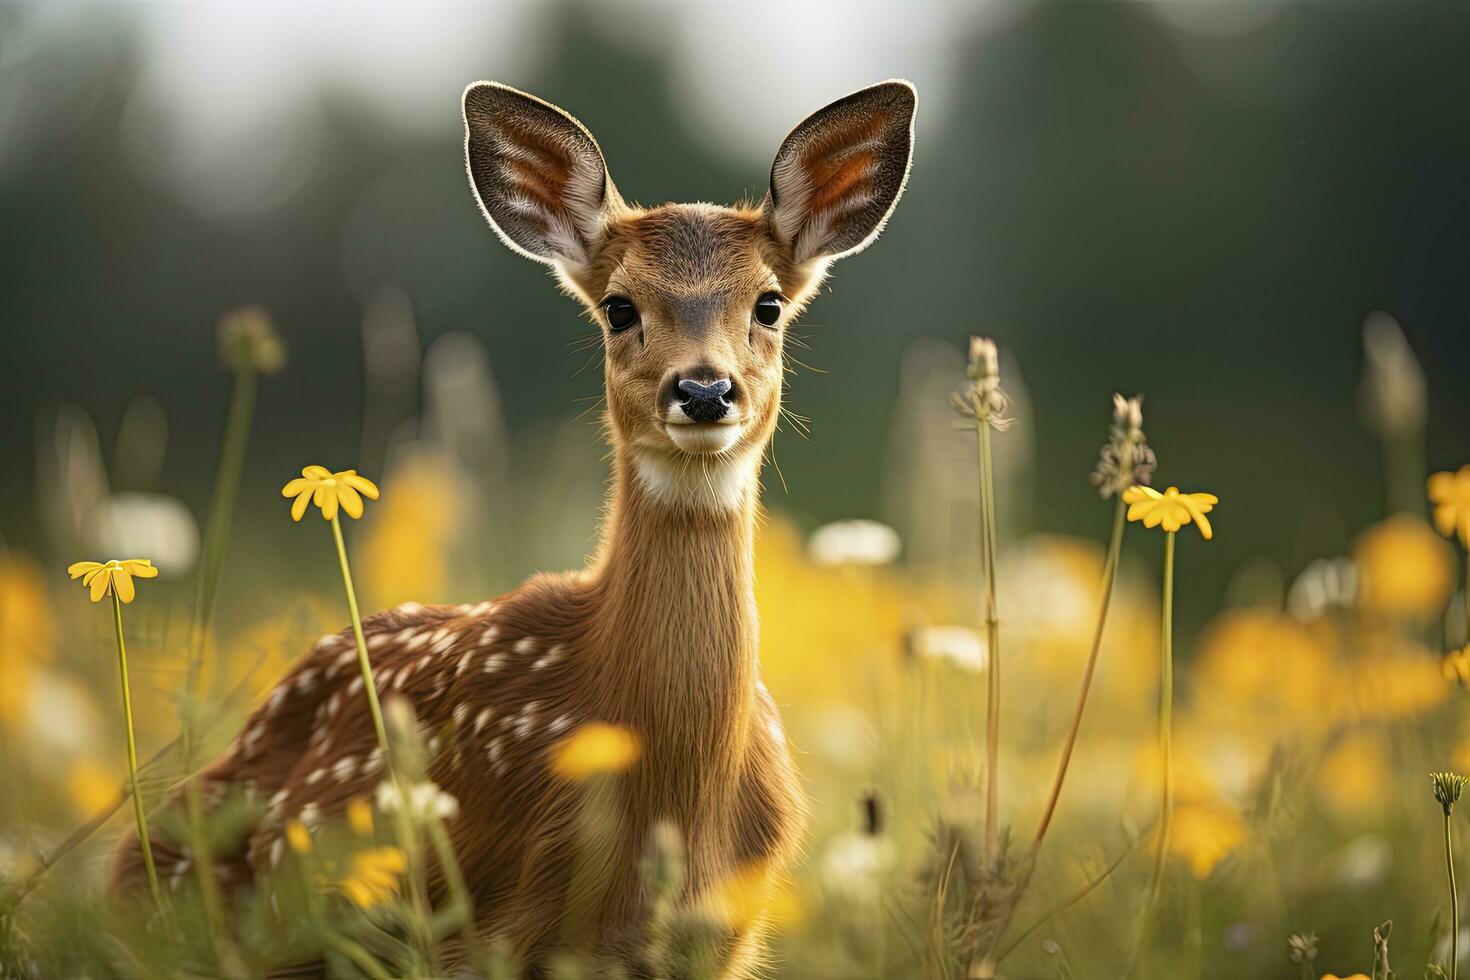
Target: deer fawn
[[659, 632]]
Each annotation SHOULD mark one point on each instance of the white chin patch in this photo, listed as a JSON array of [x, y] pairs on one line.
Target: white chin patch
[[704, 437], [702, 481]]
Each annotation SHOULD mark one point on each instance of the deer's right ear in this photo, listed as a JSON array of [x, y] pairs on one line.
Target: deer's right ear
[[537, 174]]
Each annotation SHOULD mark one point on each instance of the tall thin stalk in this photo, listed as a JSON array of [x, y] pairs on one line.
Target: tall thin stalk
[[363, 663], [992, 641], [1166, 727], [1449, 863], [127, 696]]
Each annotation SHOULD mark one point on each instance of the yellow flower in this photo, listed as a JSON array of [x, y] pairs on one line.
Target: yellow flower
[[92, 787], [103, 577], [1404, 569], [1171, 508], [374, 876], [1450, 494], [320, 486], [298, 837], [1204, 835], [593, 749], [360, 815]]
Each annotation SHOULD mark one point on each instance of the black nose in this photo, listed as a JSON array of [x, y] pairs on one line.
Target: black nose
[[705, 402]]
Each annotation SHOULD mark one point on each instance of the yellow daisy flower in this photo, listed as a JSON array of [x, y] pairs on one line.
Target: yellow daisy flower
[[1171, 508], [298, 837], [104, 577], [374, 876], [1450, 494], [593, 749], [319, 485]]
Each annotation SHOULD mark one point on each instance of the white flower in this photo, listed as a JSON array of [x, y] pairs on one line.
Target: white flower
[[959, 645], [424, 800], [854, 542]]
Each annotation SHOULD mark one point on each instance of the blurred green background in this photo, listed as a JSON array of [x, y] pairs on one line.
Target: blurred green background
[[1200, 202]]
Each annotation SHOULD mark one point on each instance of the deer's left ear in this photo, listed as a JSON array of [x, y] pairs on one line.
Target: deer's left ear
[[838, 176]]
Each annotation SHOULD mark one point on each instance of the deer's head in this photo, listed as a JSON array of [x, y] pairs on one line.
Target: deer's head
[[693, 299]]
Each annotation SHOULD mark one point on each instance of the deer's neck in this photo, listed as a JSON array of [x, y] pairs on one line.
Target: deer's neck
[[677, 611]]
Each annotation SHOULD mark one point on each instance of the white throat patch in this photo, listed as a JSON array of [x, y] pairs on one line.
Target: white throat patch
[[713, 482]]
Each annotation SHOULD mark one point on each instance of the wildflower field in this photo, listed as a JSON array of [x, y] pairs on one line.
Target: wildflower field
[[1012, 767]]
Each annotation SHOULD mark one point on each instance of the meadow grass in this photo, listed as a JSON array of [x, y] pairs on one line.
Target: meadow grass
[[1272, 820]]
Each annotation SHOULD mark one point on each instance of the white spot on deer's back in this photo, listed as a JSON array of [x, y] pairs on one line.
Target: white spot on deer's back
[[305, 679], [409, 608], [525, 644], [561, 724], [460, 713], [315, 776], [494, 662], [326, 642], [373, 763], [344, 769], [419, 640], [493, 753], [384, 679], [355, 687], [464, 662], [442, 639], [482, 719], [277, 696], [489, 635]]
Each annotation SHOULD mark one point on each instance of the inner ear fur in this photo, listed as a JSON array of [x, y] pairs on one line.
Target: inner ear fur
[[840, 173], [538, 175]]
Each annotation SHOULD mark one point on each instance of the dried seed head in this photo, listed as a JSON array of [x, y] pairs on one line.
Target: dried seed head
[[1125, 460], [1302, 947], [1447, 789], [982, 399], [248, 341]]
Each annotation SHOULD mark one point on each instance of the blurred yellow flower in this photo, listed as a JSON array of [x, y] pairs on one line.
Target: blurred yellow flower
[[1255, 666], [360, 815], [91, 786], [1450, 494], [103, 577], [1396, 679], [1404, 569], [1171, 508], [319, 485], [298, 837], [406, 548], [595, 748], [373, 879], [1354, 776], [1204, 835], [27, 634]]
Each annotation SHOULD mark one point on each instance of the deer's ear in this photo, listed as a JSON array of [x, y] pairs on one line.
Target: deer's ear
[[538, 175], [839, 174]]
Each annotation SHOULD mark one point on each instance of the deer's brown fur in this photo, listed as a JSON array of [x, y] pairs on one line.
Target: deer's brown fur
[[659, 633]]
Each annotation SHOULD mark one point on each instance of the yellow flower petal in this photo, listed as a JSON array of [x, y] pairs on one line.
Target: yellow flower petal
[[299, 507], [361, 484], [316, 473], [326, 499], [100, 582], [78, 568], [295, 486], [351, 502], [1139, 493], [140, 567], [123, 583]]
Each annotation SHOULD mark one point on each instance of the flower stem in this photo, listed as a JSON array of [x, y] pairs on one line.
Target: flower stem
[[1449, 860], [992, 634], [1166, 735], [362, 655], [1110, 570], [143, 842], [216, 539]]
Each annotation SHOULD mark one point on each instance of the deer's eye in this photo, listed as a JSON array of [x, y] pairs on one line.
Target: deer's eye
[[767, 310], [620, 312]]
